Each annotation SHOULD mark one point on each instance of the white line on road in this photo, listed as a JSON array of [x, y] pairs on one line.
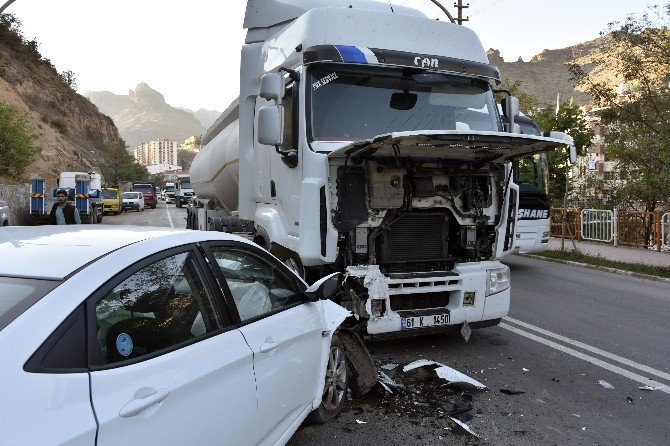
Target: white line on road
[[608, 355], [593, 360], [167, 208]]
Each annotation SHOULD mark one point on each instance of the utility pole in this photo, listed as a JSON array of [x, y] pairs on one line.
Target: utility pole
[[459, 5]]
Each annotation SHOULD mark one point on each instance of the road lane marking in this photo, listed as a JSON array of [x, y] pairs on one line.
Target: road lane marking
[[606, 354], [591, 359], [167, 208]]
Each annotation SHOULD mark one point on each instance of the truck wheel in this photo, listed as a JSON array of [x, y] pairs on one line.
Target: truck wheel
[[178, 203], [335, 387], [100, 217]]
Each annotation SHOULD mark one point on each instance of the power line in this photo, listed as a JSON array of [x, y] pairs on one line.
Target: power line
[[486, 7]]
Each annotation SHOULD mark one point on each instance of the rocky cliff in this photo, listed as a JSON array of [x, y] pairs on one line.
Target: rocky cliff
[[143, 115], [547, 74], [68, 128]]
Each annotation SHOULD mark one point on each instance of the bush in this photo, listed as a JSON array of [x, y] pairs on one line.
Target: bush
[[16, 141], [59, 125]]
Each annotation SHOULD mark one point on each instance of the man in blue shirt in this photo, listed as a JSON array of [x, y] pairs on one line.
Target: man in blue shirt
[[62, 212]]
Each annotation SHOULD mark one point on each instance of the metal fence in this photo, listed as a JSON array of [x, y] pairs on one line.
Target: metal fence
[[650, 230], [572, 217], [597, 225], [665, 231]]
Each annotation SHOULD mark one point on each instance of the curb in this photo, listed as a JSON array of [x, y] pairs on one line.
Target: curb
[[601, 268]]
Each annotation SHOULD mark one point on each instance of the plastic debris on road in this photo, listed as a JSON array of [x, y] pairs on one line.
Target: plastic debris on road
[[361, 422], [511, 392], [453, 376], [524, 370], [466, 331], [390, 366], [649, 388], [605, 384], [464, 426]]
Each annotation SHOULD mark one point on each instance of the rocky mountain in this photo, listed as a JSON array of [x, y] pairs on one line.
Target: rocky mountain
[[68, 128], [547, 74], [143, 115]]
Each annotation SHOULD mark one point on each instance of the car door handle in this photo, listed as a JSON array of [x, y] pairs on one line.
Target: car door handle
[[269, 345], [139, 403]]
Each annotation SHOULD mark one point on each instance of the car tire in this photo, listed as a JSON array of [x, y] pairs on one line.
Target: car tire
[[336, 384]]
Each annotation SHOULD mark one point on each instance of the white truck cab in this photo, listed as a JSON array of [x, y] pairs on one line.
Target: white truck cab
[[366, 140]]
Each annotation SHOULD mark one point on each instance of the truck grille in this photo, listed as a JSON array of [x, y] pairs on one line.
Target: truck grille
[[419, 301], [415, 242]]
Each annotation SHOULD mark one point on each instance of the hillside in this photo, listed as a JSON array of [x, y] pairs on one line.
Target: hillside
[[143, 115], [547, 74], [68, 128]]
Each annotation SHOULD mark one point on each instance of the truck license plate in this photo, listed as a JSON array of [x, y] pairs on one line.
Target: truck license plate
[[424, 321]]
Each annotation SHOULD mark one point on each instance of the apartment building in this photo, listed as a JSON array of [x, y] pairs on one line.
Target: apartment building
[[161, 151]]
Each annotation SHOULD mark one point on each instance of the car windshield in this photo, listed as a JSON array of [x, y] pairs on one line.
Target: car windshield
[[109, 194], [17, 295], [130, 195], [350, 103]]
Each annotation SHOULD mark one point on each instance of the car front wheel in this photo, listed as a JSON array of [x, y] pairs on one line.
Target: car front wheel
[[335, 387]]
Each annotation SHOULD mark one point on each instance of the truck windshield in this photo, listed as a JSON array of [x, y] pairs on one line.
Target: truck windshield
[[109, 194], [169, 188], [350, 103], [146, 188], [185, 185]]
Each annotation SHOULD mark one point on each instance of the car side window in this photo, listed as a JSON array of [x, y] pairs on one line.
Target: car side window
[[164, 304], [258, 287]]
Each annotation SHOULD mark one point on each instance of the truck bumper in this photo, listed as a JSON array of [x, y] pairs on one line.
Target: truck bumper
[[460, 294]]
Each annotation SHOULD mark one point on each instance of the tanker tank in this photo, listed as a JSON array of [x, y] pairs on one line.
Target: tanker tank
[[215, 169]]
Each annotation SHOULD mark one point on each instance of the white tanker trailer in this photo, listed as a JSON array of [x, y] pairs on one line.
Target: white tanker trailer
[[366, 140]]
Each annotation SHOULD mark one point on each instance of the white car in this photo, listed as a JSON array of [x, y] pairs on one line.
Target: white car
[[132, 201], [131, 335]]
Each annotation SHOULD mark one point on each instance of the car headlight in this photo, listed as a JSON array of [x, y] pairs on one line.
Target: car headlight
[[498, 280]]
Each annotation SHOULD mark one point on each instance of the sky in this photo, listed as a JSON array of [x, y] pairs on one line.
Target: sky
[[190, 51]]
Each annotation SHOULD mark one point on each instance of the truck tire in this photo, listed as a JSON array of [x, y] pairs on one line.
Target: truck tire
[[178, 203], [335, 387]]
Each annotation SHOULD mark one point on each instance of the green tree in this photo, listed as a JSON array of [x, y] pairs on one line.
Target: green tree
[[571, 120], [17, 148], [118, 165], [158, 179], [636, 121]]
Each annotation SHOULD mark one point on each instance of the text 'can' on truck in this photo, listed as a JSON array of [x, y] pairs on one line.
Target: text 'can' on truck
[[367, 141]]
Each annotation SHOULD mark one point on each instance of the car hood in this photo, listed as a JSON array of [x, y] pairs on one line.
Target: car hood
[[452, 144]]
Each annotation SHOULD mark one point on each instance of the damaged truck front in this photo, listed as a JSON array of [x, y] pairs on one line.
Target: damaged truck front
[[367, 141]]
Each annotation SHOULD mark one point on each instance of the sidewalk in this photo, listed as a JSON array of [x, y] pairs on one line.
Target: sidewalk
[[619, 253]]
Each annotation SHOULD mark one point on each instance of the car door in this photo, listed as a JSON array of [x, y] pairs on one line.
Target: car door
[[283, 330], [166, 365]]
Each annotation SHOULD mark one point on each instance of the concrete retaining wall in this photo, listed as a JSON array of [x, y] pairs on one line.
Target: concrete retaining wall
[[17, 197]]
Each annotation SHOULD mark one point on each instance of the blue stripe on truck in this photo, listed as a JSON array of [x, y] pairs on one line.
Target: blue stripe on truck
[[351, 54]]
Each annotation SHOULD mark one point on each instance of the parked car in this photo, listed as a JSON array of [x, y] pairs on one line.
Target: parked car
[[132, 201], [160, 336], [4, 213]]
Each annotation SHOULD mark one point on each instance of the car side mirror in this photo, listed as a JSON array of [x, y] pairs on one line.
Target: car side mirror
[[272, 87], [271, 125], [325, 288]]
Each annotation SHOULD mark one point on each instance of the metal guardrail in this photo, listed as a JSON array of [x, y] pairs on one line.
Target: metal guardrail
[[572, 216], [639, 229], [597, 225], [665, 231]]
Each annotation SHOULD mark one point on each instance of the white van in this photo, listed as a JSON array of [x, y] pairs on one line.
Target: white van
[[132, 200]]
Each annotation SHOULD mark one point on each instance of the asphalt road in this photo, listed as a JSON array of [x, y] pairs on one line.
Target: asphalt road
[[568, 328]]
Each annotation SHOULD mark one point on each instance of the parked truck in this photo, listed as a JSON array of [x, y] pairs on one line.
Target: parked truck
[[366, 140], [148, 189], [183, 191]]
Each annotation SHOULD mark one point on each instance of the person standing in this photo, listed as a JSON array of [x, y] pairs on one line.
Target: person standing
[[62, 212]]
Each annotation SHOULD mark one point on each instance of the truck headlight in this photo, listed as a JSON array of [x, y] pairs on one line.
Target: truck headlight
[[498, 280]]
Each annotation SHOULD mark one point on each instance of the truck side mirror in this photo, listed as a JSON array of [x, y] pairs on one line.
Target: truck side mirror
[[271, 125], [510, 106], [272, 87], [568, 140]]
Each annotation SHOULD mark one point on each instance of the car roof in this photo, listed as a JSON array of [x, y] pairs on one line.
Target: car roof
[[56, 251]]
